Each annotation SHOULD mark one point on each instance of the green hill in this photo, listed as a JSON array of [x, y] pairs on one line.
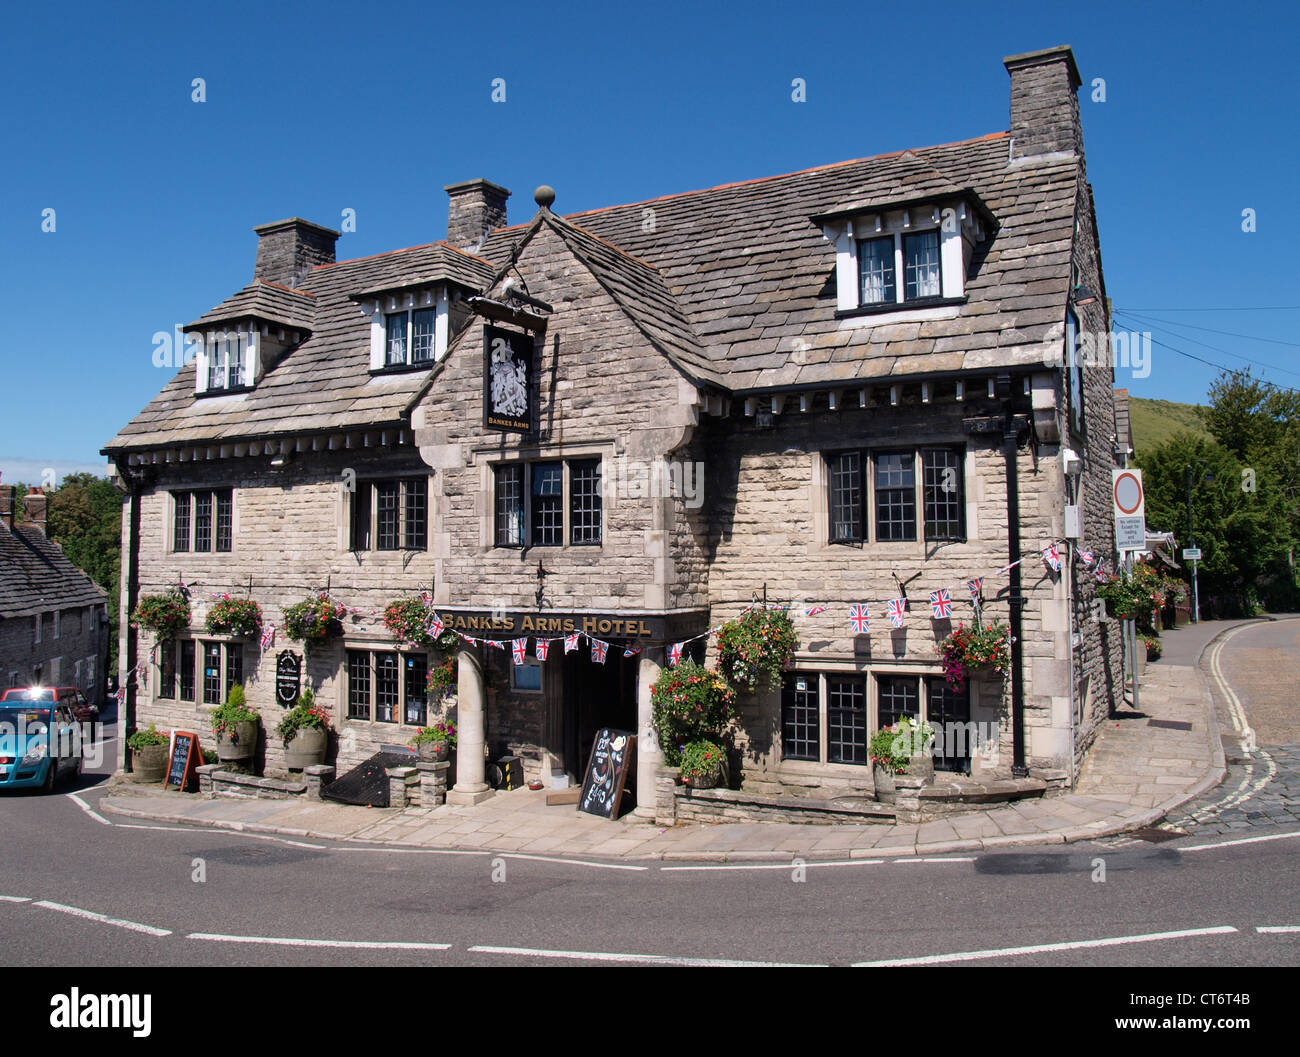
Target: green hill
[[1154, 421]]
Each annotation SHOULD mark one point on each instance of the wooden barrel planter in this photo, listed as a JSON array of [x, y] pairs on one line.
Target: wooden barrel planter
[[241, 746], [306, 748], [150, 763]]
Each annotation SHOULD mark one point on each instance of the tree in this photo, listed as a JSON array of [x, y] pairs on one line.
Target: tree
[[85, 518]]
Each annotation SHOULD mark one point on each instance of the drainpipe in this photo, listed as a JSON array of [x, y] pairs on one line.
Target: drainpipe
[[1011, 443], [131, 570]]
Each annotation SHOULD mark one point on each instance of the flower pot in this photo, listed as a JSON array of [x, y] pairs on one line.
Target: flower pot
[[704, 781], [306, 748], [921, 767], [434, 751], [239, 746], [150, 763], [884, 780]]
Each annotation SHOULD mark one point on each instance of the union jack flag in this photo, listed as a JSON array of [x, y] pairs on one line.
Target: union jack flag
[[858, 619], [1086, 557], [496, 644], [540, 646], [1101, 570], [436, 626], [975, 586], [1052, 555], [268, 637], [675, 653], [631, 651], [598, 649], [940, 604], [814, 611], [571, 642], [896, 608], [467, 638], [519, 647]]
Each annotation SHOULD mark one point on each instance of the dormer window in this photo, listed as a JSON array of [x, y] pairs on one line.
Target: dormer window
[[410, 337], [225, 360], [408, 328]]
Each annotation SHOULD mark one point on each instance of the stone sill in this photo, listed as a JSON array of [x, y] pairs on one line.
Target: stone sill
[[860, 810], [248, 786]]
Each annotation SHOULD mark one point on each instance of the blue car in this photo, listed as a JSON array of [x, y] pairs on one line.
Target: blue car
[[40, 742]]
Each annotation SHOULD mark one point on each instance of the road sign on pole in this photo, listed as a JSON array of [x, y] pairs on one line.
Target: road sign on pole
[[1129, 510], [1191, 554]]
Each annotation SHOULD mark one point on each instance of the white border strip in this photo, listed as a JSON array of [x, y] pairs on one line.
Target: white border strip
[[294, 941], [644, 959], [792, 865], [1243, 840], [88, 809], [1047, 948], [15, 899], [1277, 928], [103, 919], [569, 862]]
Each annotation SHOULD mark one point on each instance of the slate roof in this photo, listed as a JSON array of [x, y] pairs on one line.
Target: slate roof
[[266, 300], [725, 283], [35, 577]]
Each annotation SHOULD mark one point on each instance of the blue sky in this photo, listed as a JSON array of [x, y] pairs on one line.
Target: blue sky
[[313, 109]]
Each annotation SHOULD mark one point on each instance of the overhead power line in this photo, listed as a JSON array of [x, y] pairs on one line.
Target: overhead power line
[[1219, 366], [1234, 308], [1136, 324], [1210, 330]]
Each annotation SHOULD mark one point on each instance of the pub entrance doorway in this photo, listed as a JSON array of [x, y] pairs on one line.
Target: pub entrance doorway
[[593, 696]]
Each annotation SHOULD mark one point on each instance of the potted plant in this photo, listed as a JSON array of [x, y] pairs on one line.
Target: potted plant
[[690, 703], [148, 754], [702, 763], [235, 725], [434, 743], [1154, 649], [408, 621], [1130, 597], [442, 676], [234, 616], [901, 748], [980, 647], [756, 648], [166, 614], [305, 730], [313, 620]]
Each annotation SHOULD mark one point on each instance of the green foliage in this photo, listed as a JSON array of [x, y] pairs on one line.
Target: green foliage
[[313, 620], [1132, 596], [1152, 422], [234, 616], [690, 703], [236, 710], [893, 747], [439, 731], [164, 615], [85, 517], [1154, 649], [408, 620], [756, 647], [305, 715], [986, 647], [701, 759], [142, 739]]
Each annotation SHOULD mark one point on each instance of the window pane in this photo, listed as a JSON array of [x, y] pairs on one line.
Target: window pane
[[234, 665], [895, 496], [422, 323], [948, 712], [358, 684], [417, 672], [799, 717], [225, 519], [187, 670], [846, 496], [584, 502], [395, 348], [921, 265], [167, 674], [181, 522], [846, 720], [388, 512], [203, 521], [386, 674], [945, 507], [218, 361], [548, 513], [361, 517], [212, 673], [898, 698], [876, 270], [415, 528], [509, 506]]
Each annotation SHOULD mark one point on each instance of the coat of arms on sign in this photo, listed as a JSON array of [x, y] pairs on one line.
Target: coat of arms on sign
[[507, 380]]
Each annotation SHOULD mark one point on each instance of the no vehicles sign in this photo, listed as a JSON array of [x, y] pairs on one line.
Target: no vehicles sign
[[1129, 509]]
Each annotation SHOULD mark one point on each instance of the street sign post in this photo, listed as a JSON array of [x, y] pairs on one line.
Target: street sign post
[[1191, 554], [1129, 508]]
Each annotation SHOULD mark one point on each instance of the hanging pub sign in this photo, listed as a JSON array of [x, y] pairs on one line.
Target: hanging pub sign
[[507, 380], [288, 678]]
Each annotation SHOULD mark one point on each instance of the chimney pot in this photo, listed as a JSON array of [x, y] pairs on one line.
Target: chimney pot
[[288, 249], [35, 504], [1045, 103], [476, 208]]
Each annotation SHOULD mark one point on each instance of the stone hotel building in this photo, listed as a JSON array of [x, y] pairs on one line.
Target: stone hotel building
[[843, 385]]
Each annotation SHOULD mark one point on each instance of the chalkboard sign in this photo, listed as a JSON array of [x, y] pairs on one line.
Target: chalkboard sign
[[602, 786], [288, 678], [185, 757]]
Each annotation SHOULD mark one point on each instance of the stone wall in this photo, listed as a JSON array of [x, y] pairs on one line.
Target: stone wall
[[81, 645]]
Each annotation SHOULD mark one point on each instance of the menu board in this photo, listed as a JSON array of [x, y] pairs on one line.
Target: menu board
[[602, 785], [288, 678], [185, 757]]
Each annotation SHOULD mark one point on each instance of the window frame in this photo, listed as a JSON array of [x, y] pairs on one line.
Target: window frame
[[866, 507], [400, 704], [898, 269], [220, 504], [177, 680], [525, 509], [364, 513], [1074, 380]]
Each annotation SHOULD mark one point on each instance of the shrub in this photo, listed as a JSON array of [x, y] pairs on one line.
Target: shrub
[[224, 717], [313, 620], [142, 739], [691, 703], [1154, 649], [757, 646], [305, 715], [701, 759], [234, 616], [165, 615]]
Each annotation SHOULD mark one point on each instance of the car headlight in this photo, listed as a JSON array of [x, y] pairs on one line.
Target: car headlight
[[37, 754]]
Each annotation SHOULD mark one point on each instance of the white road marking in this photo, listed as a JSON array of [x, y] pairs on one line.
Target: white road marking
[[383, 849], [791, 865], [1277, 928], [234, 832], [644, 959], [1242, 840], [88, 809], [570, 862], [293, 941], [1235, 711], [1047, 948], [15, 899], [103, 919]]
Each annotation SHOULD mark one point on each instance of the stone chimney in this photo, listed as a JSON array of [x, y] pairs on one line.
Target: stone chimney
[[1044, 103], [288, 249], [477, 206], [35, 503], [7, 492]]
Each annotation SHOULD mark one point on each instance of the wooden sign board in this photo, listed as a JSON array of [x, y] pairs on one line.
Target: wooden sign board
[[288, 678], [607, 770], [186, 756], [507, 380]]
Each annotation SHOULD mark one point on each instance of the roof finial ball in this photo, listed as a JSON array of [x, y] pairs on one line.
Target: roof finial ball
[[544, 196]]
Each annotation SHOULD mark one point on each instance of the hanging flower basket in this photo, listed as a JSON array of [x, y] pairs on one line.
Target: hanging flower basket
[[313, 620], [165, 615], [702, 763], [691, 703], [408, 621], [978, 648], [756, 648], [1131, 596], [234, 616]]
